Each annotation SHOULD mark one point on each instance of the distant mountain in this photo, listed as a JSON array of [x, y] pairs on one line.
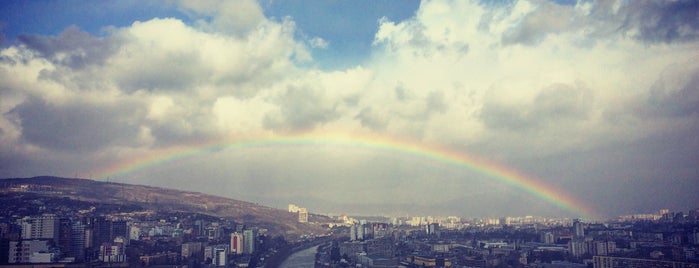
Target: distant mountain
[[277, 221]]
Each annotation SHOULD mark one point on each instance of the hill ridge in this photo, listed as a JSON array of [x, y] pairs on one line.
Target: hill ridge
[[165, 199]]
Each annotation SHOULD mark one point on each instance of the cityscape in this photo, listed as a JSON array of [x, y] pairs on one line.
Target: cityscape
[[58, 228], [349, 133]]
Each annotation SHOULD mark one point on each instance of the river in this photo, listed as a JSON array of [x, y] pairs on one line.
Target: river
[[303, 258]]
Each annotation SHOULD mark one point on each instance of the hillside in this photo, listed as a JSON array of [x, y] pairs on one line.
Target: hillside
[[278, 222]]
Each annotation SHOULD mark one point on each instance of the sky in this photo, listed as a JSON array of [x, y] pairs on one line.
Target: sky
[[466, 108]]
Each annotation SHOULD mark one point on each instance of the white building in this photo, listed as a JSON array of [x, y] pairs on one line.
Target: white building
[[220, 257], [43, 257], [21, 251], [303, 215], [293, 208], [134, 233], [218, 254], [40, 227], [112, 252]]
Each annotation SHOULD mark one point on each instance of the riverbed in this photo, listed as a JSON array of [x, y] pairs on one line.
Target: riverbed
[[303, 258]]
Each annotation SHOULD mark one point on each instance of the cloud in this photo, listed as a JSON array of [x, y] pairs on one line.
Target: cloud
[[543, 88], [546, 18], [553, 105], [77, 126], [72, 48], [237, 18], [663, 20], [302, 108], [318, 42], [676, 92]]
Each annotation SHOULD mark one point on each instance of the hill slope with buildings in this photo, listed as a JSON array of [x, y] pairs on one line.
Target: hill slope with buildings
[[48, 194]]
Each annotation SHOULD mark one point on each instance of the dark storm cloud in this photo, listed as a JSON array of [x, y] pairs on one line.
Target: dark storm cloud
[[73, 47], [561, 101], [674, 96], [640, 175], [79, 126], [664, 20], [655, 21], [553, 104], [302, 108]]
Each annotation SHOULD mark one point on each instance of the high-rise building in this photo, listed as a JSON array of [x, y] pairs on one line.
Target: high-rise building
[[119, 229], [78, 241], [220, 256], [237, 243], [432, 228], [353, 232], [40, 227], [65, 229], [577, 247], [191, 249], [549, 238], [604, 248], [250, 239], [99, 230], [214, 232], [578, 229], [360, 231]]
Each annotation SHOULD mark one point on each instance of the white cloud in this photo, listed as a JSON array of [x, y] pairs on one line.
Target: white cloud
[[318, 42], [530, 80]]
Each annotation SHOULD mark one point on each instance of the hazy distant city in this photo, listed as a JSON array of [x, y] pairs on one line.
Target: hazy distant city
[[52, 222]]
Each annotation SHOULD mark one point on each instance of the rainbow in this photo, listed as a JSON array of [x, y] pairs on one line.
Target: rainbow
[[490, 169]]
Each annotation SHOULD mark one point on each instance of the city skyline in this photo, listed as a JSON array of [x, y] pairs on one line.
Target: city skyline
[[583, 109]]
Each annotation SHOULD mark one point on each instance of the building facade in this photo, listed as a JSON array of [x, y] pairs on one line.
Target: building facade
[[237, 243]]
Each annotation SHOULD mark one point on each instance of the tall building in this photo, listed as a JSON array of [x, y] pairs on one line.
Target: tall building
[[214, 232], [249, 238], [40, 227], [220, 256], [577, 247], [237, 243], [100, 230], [303, 215], [119, 229], [578, 229], [65, 229], [191, 249], [78, 241], [432, 229], [360, 231], [353, 232], [604, 248], [549, 238]]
